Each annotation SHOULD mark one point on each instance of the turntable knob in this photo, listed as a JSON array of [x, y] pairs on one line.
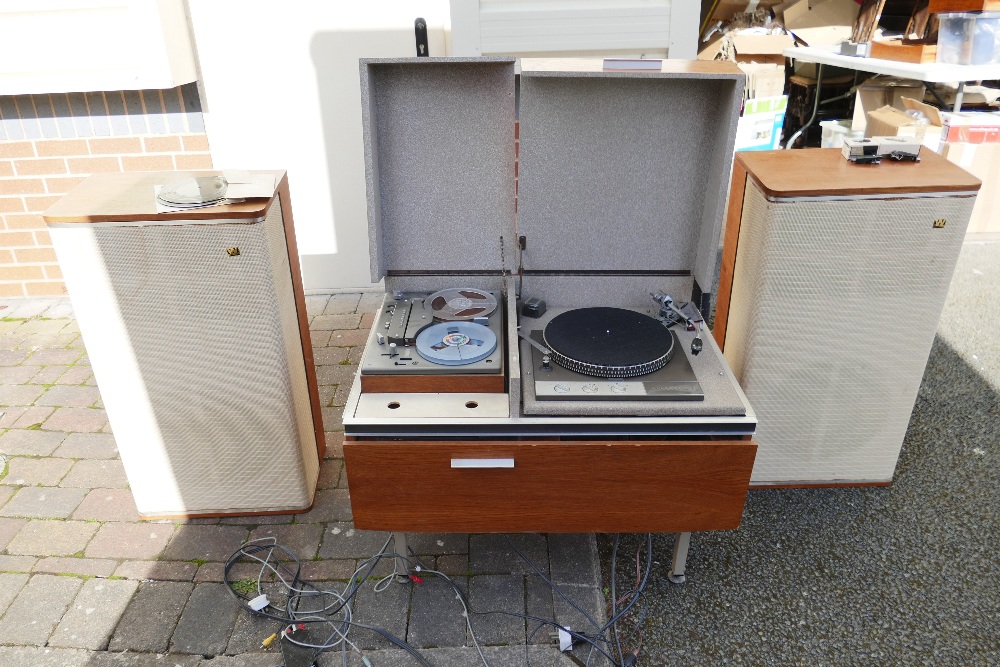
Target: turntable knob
[[696, 346], [392, 350], [380, 339], [546, 363]]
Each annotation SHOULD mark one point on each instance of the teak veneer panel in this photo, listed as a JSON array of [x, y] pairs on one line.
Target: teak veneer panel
[[734, 215], [824, 172], [555, 486], [130, 198], [433, 384]]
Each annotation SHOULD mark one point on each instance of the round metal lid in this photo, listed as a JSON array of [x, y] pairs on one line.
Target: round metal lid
[[608, 342]]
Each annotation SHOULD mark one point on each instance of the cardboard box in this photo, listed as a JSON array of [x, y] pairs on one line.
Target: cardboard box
[[883, 92], [983, 162], [891, 122], [971, 127], [743, 48], [759, 128], [821, 22], [763, 80]]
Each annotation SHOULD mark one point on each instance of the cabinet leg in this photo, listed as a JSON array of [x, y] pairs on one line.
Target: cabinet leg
[[399, 548], [681, 543]]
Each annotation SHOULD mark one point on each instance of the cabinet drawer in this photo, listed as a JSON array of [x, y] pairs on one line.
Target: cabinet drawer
[[548, 485]]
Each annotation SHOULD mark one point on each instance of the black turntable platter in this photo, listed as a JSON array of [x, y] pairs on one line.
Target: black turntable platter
[[608, 342]]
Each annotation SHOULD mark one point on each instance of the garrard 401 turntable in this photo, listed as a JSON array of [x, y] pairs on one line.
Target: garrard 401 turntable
[[445, 341]]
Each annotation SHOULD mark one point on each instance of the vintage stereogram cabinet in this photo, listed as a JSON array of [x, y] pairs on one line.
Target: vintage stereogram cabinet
[[622, 188]]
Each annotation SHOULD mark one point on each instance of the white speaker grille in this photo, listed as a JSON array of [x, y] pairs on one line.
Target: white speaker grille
[[833, 313], [216, 342]]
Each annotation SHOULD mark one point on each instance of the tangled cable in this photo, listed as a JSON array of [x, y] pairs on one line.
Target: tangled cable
[[277, 591]]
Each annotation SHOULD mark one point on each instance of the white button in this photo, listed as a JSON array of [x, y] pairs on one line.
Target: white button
[[618, 388], [590, 388], [561, 388]]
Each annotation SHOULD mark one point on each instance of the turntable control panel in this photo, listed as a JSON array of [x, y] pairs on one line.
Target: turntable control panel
[[454, 331]]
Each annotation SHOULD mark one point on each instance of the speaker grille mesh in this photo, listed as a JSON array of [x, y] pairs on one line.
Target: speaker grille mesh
[[833, 313], [216, 341]]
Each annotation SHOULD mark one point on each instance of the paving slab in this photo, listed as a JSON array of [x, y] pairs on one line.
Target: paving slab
[[196, 542], [328, 570], [43, 502], [94, 614], [438, 544], [12, 358], [157, 570], [151, 616], [19, 394], [328, 356], [30, 443], [69, 396], [250, 630], [490, 596], [48, 375], [386, 609], [76, 375], [83, 567], [346, 302], [538, 604], [315, 303], [29, 656], [301, 539], [87, 446], [342, 540], [454, 566], [330, 505], [496, 554], [206, 622], [25, 418], [329, 473], [573, 559], [37, 609], [82, 420], [17, 563], [107, 505], [109, 659], [5, 491], [337, 321], [23, 471], [52, 538], [8, 527], [436, 614], [46, 357], [348, 338], [125, 540], [10, 586], [88, 474], [16, 374]]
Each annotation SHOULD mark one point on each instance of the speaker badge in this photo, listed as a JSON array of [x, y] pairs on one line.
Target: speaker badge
[[939, 223], [234, 251]]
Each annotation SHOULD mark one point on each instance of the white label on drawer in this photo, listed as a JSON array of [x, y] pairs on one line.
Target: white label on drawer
[[482, 463]]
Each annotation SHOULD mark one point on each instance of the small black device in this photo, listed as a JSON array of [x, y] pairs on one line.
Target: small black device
[[420, 32], [533, 307]]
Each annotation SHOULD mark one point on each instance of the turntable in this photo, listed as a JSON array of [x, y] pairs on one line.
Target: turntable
[[470, 418]]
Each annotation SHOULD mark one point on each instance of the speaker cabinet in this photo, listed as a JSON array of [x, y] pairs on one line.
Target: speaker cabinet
[[834, 276], [195, 326]]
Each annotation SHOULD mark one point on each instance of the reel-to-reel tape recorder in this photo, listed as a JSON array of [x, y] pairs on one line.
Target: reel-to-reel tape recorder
[[449, 340]]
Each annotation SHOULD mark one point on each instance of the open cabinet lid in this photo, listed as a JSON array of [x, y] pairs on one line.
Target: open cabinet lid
[[439, 163], [625, 171]]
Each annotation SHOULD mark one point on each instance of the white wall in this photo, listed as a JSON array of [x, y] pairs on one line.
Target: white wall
[[281, 90]]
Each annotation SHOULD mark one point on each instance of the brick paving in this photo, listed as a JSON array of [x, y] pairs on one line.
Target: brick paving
[[84, 583]]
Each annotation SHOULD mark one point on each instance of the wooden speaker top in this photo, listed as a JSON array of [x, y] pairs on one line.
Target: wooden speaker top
[[131, 197], [825, 172]]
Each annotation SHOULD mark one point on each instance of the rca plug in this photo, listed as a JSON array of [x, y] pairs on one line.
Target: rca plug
[[270, 640]]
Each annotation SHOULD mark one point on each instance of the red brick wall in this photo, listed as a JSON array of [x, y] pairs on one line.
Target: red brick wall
[[35, 173]]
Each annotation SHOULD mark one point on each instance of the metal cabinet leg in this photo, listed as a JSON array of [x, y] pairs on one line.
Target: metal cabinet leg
[[681, 543], [399, 548]]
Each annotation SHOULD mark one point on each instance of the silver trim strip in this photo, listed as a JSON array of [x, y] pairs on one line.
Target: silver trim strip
[[482, 463], [898, 195]]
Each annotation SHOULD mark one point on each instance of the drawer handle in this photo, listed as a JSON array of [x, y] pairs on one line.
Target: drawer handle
[[482, 463]]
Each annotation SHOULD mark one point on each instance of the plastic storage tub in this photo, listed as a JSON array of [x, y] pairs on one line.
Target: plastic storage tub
[[969, 38]]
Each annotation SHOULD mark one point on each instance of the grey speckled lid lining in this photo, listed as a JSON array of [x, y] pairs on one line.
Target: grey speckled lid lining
[[439, 162], [625, 171]]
